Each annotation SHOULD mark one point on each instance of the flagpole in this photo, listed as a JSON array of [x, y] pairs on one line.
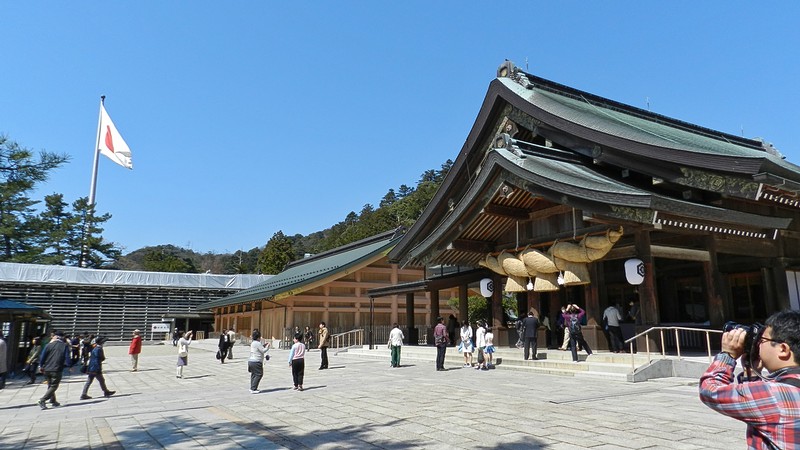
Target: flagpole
[[96, 153]]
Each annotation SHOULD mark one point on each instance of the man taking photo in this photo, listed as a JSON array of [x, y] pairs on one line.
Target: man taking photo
[[769, 405]]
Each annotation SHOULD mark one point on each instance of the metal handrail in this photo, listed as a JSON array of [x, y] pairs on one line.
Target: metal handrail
[[632, 340], [352, 338]]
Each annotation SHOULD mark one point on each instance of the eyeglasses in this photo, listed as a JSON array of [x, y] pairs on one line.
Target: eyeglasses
[[762, 339]]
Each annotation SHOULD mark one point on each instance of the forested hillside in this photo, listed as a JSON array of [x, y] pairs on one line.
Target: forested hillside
[[400, 207]]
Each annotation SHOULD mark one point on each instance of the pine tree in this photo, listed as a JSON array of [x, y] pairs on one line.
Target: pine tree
[[276, 254], [86, 244], [20, 173]]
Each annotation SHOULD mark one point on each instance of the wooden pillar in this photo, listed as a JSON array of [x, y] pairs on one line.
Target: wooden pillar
[[718, 306], [463, 303], [592, 297], [648, 298], [434, 307], [496, 305], [413, 335], [410, 310]]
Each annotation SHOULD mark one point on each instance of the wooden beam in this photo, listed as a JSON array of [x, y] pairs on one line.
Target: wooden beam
[[684, 254], [472, 246], [506, 211], [549, 212]]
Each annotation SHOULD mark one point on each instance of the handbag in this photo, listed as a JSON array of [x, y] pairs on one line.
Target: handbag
[[183, 351], [219, 356]]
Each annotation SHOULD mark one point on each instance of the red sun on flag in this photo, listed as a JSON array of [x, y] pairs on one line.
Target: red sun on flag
[[109, 139]]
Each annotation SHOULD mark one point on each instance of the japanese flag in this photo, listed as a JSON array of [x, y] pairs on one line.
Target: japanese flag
[[111, 143]]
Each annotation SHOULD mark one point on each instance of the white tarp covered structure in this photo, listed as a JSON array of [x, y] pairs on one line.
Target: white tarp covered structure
[[43, 274]]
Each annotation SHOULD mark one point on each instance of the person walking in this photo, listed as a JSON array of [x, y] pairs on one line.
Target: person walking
[[223, 345], [175, 336], [612, 317], [95, 369], [231, 341], [440, 339], [32, 362], [572, 319], [466, 343], [134, 350], [55, 356], [324, 342], [395, 344], [297, 361], [530, 333], [183, 353], [86, 347], [255, 363]]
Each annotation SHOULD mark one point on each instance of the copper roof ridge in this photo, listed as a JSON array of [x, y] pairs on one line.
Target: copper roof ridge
[[597, 100]]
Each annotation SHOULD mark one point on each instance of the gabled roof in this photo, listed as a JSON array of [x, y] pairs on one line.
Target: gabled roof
[[308, 273], [583, 138]]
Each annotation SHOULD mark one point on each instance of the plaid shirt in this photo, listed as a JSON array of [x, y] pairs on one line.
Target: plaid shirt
[[770, 409]]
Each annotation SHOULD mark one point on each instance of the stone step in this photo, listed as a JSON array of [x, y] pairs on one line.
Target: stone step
[[553, 362]]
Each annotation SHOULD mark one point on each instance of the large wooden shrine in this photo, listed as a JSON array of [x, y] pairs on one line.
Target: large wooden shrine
[[555, 189]]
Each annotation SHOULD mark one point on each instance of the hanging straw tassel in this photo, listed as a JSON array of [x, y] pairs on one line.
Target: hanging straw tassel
[[546, 282], [515, 284]]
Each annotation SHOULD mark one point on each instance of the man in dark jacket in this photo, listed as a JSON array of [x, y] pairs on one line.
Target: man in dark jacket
[[54, 358], [529, 335]]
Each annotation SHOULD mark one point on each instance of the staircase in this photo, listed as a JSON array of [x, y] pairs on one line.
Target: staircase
[[600, 365]]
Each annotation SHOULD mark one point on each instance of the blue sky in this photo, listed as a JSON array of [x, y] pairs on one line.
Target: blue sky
[[245, 118]]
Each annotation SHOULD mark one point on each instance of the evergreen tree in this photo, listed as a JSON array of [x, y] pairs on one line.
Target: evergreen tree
[[388, 199], [20, 173], [86, 244], [56, 225], [161, 261], [276, 254]]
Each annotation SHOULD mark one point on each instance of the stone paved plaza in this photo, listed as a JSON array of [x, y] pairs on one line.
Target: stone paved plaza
[[357, 403]]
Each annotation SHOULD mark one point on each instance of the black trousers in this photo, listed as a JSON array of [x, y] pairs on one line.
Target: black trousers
[[256, 370], [324, 358], [530, 342], [53, 380], [440, 351], [298, 369], [617, 341], [573, 344]]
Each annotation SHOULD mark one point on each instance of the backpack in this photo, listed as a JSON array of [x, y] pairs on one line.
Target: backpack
[[574, 326]]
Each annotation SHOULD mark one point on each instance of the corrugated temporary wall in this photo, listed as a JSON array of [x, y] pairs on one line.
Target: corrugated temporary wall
[[110, 302]]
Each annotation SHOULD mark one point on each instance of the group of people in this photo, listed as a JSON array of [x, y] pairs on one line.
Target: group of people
[[227, 338], [59, 354], [483, 343]]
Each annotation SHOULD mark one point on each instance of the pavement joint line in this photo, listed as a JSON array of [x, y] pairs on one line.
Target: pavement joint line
[[603, 397]]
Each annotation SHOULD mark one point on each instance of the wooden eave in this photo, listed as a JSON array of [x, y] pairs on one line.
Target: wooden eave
[[474, 227]]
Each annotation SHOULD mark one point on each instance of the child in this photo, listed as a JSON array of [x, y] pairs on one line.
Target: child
[[297, 361], [489, 348]]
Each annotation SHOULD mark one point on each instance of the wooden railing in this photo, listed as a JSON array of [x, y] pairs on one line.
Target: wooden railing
[[352, 338], [661, 331]]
